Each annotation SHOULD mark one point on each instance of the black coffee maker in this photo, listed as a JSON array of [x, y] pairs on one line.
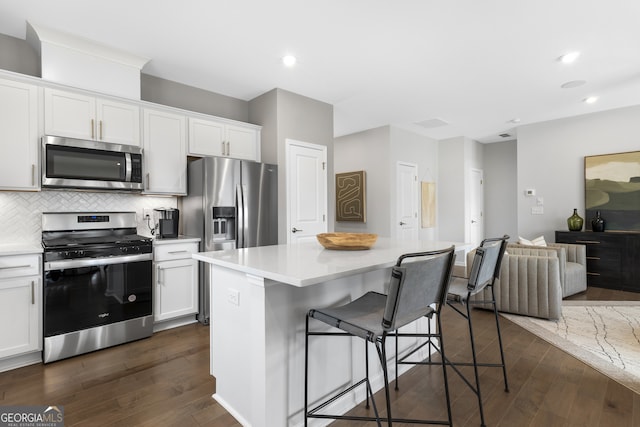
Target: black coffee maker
[[166, 220]]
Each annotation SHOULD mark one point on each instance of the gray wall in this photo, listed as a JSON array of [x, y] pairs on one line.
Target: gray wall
[[456, 158], [17, 56], [410, 147], [369, 151], [166, 92], [550, 159], [263, 111], [378, 151], [296, 117], [451, 189], [500, 196]]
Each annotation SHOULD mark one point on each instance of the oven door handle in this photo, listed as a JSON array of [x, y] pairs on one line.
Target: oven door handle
[[92, 262]]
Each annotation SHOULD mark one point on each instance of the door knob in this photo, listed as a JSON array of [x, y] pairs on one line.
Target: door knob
[[403, 223], [295, 230], [473, 221]]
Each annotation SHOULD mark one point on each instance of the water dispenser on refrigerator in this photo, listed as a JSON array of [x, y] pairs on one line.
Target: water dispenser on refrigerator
[[224, 227]]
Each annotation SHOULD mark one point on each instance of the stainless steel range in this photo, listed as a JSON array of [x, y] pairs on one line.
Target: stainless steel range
[[97, 282]]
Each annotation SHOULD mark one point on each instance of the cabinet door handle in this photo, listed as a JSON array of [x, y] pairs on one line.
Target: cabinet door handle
[[228, 149], [148, 181], [33, 174], [15, 266], [101, 129], [178, 252], [93, 133], [33, 292], [223, 153], [587, 241], [159, 275]]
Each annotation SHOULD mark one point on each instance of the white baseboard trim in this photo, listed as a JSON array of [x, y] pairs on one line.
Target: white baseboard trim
[[174, 323], [20, 361]]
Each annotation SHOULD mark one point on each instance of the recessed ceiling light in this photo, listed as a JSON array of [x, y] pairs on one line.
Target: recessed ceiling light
[[590, 100], [289, 60], [572, 84], [569, 57]]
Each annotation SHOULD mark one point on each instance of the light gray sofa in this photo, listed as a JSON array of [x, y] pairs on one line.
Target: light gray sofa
[[534, 279]]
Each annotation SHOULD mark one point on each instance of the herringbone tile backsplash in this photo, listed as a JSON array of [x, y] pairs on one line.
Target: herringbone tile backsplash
[[20, 212]]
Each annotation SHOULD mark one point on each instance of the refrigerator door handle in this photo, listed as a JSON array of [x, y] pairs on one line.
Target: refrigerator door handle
[[240, 204]]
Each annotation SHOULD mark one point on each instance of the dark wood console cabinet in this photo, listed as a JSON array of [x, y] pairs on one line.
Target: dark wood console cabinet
[[613, 258]]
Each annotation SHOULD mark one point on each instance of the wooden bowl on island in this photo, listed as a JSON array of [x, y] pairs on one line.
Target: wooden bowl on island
[[347, 241]]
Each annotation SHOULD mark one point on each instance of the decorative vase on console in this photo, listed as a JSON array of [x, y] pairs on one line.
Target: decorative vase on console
[[597, 223], [575, 221]]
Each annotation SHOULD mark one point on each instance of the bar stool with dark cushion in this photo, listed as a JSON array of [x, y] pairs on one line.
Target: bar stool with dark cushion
[[418, 287]]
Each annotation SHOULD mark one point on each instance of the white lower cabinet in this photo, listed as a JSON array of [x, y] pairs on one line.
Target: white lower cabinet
[[20, 309], [176, 284]]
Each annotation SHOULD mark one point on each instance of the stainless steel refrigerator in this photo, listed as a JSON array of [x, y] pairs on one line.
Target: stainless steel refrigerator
[[230, 204]]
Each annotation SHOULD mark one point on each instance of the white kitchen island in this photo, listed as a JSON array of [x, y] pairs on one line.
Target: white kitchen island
[[259, 300]]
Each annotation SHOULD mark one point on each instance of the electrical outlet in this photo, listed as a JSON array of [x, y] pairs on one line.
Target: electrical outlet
[[233, 296], [147, 213], [537, 210]]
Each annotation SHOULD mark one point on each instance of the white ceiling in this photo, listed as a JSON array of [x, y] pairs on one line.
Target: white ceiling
[[476, 64]]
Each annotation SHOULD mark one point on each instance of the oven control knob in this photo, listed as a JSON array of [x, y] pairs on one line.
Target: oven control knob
[[80, 253], [124, 249], [67, 254]]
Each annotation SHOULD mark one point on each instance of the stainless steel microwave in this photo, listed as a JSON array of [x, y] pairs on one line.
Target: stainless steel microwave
[[83, 164]]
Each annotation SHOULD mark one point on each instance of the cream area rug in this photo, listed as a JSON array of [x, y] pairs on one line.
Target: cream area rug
[[603, 334]]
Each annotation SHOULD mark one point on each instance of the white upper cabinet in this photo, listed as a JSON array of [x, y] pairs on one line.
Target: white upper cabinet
[[118, 122], [18, 136], [214, 138], [87, 117], [206, 137], [243, 143], [165, 152]]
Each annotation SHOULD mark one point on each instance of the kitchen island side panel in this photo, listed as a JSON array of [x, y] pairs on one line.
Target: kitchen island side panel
[[257, 346]]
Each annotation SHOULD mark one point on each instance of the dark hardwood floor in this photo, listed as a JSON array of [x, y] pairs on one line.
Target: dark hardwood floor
[[164, 381]]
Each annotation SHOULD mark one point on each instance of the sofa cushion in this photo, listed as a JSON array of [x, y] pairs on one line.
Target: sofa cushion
[[538, 241]]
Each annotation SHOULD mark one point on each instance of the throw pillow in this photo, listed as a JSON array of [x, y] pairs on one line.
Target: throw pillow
[[538, 241]]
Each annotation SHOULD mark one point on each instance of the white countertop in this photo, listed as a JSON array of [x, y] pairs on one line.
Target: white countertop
[[20, 248], [307, 263], [179, 239]]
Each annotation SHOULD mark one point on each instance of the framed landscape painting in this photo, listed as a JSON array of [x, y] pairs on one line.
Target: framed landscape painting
[[612, 187]]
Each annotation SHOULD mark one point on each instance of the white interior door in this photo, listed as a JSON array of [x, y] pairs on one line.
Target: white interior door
[[476, 207], [407, 201], [306, 190]]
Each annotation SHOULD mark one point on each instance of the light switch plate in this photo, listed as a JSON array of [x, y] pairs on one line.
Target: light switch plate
[[537, 210]]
